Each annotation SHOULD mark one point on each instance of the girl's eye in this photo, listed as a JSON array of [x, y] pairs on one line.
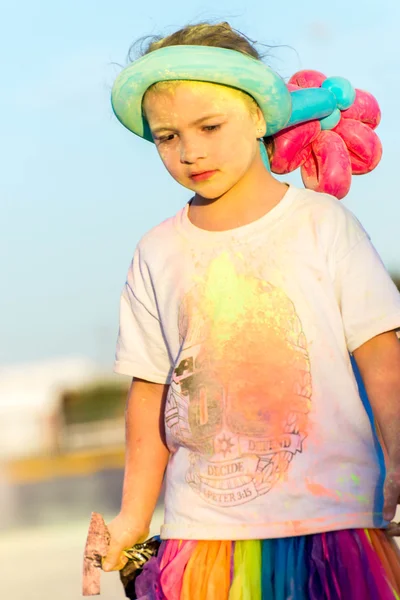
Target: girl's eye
[[165, 138], [168, 138]]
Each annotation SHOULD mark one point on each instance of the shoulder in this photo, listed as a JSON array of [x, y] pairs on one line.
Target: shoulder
[[157, 244], [328, 216], [322, 205]]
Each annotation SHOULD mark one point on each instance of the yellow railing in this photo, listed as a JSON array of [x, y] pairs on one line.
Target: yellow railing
[[40, 468]]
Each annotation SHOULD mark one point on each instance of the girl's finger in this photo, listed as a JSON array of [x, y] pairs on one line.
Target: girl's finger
[[114, 561], [391, 495], [393, 529]]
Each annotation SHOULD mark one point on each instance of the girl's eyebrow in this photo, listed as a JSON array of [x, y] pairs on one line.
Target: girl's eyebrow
[[197, 122]]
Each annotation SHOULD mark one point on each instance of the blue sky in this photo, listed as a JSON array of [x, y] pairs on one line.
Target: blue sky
[[77, 190]]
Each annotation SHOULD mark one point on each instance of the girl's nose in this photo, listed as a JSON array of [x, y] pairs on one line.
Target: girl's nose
[[190, 151]]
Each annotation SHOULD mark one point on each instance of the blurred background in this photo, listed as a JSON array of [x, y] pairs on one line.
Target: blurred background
[[77, 191]]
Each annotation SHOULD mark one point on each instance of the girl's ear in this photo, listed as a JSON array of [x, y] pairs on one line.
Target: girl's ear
[[260, 122]]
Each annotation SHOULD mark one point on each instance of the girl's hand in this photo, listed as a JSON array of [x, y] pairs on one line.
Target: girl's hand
[[393, 529], [124, 533], [391, 493]]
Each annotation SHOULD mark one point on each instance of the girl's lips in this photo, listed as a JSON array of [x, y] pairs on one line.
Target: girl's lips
[[202, 176]]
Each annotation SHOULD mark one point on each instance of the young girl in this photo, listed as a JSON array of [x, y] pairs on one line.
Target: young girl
[[238, 319]]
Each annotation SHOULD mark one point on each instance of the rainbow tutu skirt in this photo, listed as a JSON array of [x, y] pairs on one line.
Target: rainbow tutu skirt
[[352, 564]]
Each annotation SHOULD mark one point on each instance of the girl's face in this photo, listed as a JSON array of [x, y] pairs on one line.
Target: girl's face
[[206, 134]]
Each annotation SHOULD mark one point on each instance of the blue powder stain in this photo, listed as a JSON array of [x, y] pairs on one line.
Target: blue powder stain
[[378, 500]]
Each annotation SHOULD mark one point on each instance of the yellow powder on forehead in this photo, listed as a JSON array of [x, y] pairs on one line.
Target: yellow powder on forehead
[[169, 87]]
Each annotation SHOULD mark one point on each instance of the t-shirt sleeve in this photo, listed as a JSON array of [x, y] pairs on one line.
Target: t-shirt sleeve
[[141, 347], [368, 299]]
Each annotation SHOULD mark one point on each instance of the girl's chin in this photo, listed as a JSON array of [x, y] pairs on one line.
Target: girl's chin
[[209, 192]]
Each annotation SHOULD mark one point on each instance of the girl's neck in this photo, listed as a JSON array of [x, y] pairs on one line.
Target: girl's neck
[[249, 200]]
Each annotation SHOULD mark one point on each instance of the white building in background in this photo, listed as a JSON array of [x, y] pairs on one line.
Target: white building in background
[[30, 400]]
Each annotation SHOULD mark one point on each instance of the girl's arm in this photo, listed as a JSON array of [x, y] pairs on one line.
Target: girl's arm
[[379, 364], [146, 459]]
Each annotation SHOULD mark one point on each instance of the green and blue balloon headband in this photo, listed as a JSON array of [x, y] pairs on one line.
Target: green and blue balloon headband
[[320, 124]]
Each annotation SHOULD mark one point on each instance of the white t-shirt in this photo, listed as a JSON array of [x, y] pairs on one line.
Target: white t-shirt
[[252, 329]]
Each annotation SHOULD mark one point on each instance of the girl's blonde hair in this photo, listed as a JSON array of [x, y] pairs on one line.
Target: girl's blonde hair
[[220, 35]]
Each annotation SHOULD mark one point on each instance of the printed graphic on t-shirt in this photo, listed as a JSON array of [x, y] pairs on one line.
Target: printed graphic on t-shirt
[[241, 389]]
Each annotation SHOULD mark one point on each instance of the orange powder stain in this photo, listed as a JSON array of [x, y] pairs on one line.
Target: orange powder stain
[[251, 370], [319, 490]]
